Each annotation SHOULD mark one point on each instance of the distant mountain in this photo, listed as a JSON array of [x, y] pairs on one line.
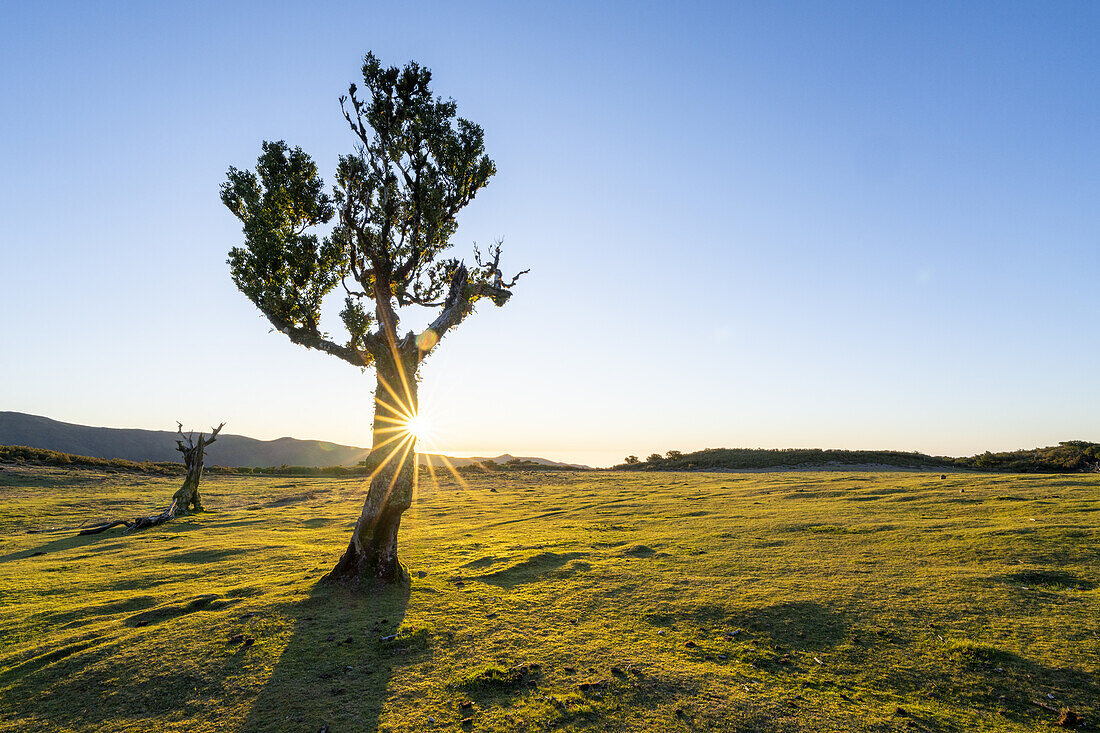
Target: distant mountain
[[132, 444], [438, 462], [17, 428]]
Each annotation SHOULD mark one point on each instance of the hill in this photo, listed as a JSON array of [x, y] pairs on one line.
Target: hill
[[1074, 456], [438, 461], [760, 458], [1071, 456], [132, 444], [234, 451]]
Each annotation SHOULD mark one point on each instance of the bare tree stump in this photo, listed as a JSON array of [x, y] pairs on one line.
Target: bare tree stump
[[186, 498]]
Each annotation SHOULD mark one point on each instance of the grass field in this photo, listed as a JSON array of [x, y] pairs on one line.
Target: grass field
[[558, 601]]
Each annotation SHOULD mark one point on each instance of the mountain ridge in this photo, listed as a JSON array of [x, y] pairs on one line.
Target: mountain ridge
[[139, 444]]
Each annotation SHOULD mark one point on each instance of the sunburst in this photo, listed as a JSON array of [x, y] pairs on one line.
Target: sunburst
[[420, 428], [406, 433]]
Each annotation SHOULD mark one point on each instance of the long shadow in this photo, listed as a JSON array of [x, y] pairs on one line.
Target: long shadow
[[531, 569], [994, 679], [797, 624], [334, 670], [71, 540], [793, 624], [340, 658]]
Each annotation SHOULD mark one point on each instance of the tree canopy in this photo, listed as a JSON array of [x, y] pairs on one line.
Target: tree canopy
[[392, 212]]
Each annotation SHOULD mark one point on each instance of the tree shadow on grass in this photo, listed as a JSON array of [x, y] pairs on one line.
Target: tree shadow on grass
[[334, 669], [794, 624], [338, 663], [71, 540], [798, 624], [532, 569], [983, 677]]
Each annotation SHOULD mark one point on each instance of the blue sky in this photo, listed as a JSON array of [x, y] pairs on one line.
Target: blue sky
[[854, 225]]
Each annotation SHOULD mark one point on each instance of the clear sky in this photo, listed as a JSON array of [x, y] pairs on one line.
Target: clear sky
[[845, 225]]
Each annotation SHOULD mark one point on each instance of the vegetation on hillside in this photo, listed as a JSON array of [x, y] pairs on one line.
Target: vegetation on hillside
[[1074, 456], [566, 601], [42, 457], [758, 458]]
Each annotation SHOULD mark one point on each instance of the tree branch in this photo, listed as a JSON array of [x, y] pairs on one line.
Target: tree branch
[[213, 435], [311, 339]]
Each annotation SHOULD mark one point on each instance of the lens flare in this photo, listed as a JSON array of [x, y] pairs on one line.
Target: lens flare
[[427, 340], [417, 426]]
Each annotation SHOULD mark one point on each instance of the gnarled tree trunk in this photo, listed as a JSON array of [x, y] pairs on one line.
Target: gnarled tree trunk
[[371, 556], [186, 497]]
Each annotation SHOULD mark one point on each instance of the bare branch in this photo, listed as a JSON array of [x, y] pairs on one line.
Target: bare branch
[[213, 435], [510, 285]]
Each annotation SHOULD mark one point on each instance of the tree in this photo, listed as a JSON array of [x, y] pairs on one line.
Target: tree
[[674, 455], [653, 458], [631, 460], [394, 203], [186, 497]]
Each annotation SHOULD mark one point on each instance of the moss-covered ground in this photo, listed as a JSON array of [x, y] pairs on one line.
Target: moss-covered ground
[[557, 601]]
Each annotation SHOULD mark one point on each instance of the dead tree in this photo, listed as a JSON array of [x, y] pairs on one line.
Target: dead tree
[[186, 498]]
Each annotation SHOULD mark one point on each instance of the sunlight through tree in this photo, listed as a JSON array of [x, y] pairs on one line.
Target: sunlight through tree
[[394, 204]]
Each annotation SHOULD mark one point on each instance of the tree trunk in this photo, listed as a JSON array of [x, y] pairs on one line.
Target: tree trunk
[[371, 557], [187, 496]]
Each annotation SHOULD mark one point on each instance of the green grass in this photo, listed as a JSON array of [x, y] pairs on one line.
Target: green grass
[[599, 601]]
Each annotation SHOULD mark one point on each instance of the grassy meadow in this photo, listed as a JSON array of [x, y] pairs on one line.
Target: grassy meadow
[[599, 601]]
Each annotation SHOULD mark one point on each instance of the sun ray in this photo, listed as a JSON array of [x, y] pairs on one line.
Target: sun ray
[[404, 379], [395, 429], [391, 439], [431, 472], [400, 363], [416, 489], [404, 411], [399, 411], [383, 464], [395, 420], [454, 472], [396, 473]]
